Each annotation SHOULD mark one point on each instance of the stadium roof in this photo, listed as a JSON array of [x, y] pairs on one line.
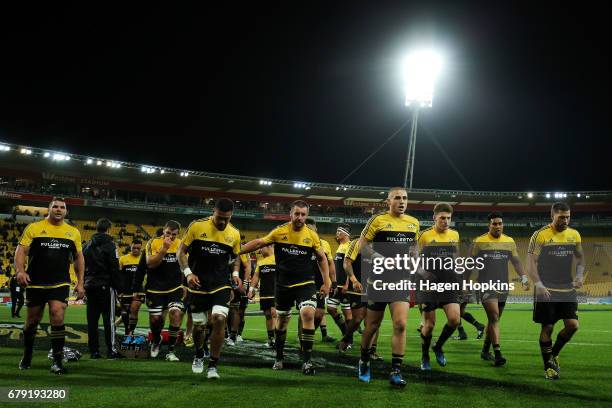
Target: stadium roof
[[50, 165]]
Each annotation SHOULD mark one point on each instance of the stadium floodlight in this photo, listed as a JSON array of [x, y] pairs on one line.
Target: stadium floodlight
[[529, 195], [46, 154], [99, 162], [337, 188], [4, 148], [421, 69], [162, 171], [89, 161], [547, 195], [578, 195], [25, 151], [109, 164]]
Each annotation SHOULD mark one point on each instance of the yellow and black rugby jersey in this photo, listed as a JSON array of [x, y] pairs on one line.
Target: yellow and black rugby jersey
[[496, 253], [444, 245], [266, 267], [128, 274], [328, 254], [384, 230], [339, 262], [352, 253], [52, 249], [210, 253], [555, 254], [293, 251], [167, 277]]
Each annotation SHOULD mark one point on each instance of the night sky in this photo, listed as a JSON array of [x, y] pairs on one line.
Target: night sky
[[306, 92]]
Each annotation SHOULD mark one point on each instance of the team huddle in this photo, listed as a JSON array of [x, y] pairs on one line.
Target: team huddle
[[207, 275]]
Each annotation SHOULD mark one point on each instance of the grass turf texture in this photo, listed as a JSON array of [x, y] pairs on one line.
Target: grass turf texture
[[246, 376]]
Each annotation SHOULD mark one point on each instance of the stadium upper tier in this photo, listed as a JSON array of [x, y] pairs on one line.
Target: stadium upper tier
[[43, 171]]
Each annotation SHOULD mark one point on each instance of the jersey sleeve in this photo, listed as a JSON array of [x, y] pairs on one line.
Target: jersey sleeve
[[316, 241], [327, 249], [120, 263], [370, 230], [150, 251], [77, 241], [578, 241], [236, 247], [27, 237], [513, 248], [535, 243], [272, 236], [189, 236], [353, 250]]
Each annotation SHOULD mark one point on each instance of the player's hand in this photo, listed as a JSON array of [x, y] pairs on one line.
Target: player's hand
[[251, 293], [167, 243], [193, 281], [79, 291], [23, 279], [577, 284], [325, 288], [238, 283], [526, 285], [542, 293], [357, 286]]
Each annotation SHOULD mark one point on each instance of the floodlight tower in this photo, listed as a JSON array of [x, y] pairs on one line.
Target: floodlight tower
[[421, 69]]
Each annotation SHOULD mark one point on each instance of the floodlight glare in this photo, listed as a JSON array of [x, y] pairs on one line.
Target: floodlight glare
[[47, 154], [89, 161], [529, 195], [421, 69]]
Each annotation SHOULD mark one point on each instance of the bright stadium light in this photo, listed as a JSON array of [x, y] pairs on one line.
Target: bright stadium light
[[25, 151], [89, 161], [46, 154], [162, 171], [547, 195], [421, 69], [99, 162], [4, 148], [529, 195], [578, 195]]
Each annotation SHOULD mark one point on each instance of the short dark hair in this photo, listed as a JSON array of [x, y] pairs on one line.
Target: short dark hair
[[56, 198], [560, 206], [299, 204], [224, 204], [159, 232], [173, 225], [443, 207], [136, 241], [103, 225], [311, 221], [494, 214]]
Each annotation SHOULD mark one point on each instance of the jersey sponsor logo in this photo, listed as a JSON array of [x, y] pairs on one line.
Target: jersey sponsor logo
[[215, 249], [399, 239], [284, 238], [170, 258], [43, 232], [203, 235], [496, 255], [388, 226], [294, 251], [54, 244]]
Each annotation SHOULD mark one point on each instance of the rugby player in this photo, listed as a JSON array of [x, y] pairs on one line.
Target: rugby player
[[438, 241], [388, 234], [164, 289], [265, 277], [212, 268], [130, 290], [294, 245], [551, 254], [49, 246], [496, 249]]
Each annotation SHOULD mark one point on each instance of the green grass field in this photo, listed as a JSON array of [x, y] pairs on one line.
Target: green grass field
[[247, 379]]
